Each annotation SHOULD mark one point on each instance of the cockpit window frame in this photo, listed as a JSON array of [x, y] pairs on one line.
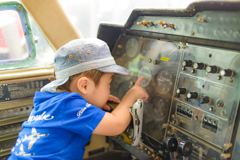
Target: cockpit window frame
[[17, 64]]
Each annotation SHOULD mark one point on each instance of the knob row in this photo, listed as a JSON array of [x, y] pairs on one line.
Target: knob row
[[193, 95], [209, 69]]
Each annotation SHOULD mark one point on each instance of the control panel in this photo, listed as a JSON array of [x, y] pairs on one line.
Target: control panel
[[16, 103], [190, 63]]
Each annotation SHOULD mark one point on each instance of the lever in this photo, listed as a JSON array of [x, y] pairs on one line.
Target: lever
[[137, 114]]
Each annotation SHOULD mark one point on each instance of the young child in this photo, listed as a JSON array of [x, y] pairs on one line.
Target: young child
[[68, 110]]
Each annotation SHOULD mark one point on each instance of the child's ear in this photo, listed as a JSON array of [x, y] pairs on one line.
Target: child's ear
[[83, 84]]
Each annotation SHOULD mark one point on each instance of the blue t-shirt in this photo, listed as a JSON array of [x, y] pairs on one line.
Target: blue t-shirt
[[58, 127]]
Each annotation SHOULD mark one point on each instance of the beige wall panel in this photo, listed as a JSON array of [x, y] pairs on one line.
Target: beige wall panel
[[52, 20]]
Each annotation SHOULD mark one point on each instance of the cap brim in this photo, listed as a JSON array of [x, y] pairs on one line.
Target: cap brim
[[52, 86], [114, 69]]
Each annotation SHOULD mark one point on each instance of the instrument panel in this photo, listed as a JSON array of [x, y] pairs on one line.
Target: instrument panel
[[190, 63]]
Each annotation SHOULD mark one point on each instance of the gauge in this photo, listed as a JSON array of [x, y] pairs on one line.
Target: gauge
[[164, 81], [132, 47], [168, 54], [148, 52], [160, 108], [146, 73], [123, 88]]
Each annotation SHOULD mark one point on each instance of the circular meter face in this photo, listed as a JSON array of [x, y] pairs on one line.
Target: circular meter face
[[160, 108], [164, 81], [146, 73], [132, 47], [168, 54]]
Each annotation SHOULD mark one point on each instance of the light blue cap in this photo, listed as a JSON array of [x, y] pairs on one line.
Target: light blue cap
[[82, 55]]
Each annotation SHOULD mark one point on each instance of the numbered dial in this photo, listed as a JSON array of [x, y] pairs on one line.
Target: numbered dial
[[192, 95], [164, 81], [146, 73], [212, 69], [132, 47], [168, 54], [160, 108]]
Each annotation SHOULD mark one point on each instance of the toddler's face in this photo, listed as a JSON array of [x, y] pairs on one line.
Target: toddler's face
[[101, 92]]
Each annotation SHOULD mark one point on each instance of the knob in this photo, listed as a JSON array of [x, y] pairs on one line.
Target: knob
[[212, 69], [204, 99], [187, 63], [171, 144], [181, 90], [192, 95], [185, 148], [199, 65], [227, 72], [193, 71]]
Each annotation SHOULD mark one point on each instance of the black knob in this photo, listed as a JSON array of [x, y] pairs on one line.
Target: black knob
[[192, 95], [181, 90], [187, 63], [199, 65], [156, 62], [212, 69], [185, 148], [204, 99], [193, 71], [171, 144], [227, 72]]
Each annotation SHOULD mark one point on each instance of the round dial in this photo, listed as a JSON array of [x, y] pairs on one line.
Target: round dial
[[123, 88], [159, 109], [146, 73], [164, 81], [148, 53], [132, 47], [168, 54]]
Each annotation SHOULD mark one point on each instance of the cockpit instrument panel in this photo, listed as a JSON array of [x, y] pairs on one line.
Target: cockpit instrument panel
[[190, 63]]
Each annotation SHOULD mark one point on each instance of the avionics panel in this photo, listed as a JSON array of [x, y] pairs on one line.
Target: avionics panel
[[190, 62], [16, 103]]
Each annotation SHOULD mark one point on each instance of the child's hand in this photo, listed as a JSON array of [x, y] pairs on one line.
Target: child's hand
[[137, 92]]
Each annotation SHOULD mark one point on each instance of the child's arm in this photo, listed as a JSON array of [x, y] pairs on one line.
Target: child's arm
[[116, 122]]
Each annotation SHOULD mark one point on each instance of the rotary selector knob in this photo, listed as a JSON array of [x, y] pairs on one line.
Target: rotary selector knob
[[185, 148], [227, 72], [199, 65], [187, 63], [204, 99], [212, 69], [171, 144], [181, 90], [192, 95]]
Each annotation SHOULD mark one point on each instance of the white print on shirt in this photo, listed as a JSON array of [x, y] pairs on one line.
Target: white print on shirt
[[33, 138], [40, 117], [22, 153], [80, 112]]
